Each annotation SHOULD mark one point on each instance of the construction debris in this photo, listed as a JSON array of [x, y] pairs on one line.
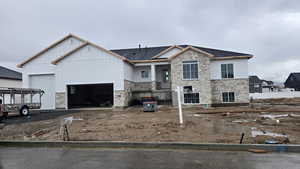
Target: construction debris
[[257, 151], [132, 124]]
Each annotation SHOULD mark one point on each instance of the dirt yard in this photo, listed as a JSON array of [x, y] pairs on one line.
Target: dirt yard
[[218, 125]]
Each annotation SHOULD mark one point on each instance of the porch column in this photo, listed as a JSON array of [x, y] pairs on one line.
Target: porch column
[[153, 77]]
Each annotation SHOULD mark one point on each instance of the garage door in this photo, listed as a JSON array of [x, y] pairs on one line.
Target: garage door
[[46, 83], [90, 95]]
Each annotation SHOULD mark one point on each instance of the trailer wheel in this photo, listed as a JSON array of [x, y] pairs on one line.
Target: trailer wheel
[[24, 111]]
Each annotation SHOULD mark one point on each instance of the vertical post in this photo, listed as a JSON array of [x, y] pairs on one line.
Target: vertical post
[[153, 77], [179, 105]]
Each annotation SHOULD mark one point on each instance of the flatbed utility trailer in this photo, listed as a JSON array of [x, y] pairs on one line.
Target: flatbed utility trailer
[[19, 99]]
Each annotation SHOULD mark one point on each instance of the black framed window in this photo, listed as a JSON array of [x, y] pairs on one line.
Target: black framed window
[[145, 74], [228, 97], [190, 70], [227, 70], [191, 98]]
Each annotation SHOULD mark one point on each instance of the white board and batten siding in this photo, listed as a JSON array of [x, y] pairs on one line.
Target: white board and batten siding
[[39, 72], [240, 68], [128, 72], [170, 53], [89, 65]]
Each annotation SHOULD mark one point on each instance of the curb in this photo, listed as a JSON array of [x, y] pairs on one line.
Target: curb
[[153, 145]]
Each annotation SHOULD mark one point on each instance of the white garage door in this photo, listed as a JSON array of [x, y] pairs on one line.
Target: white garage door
[[46, 83]]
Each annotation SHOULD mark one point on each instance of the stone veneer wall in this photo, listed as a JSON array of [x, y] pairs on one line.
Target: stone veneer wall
[[202, 85], [239, 86], [60, 100], [142, 86], [123, 97]]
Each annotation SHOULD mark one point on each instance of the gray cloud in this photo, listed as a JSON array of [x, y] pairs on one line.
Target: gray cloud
[[267, 29]]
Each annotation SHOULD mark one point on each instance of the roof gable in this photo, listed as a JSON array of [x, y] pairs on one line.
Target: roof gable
[[190, 48], [168, 52], [56, 61], [49, 48]]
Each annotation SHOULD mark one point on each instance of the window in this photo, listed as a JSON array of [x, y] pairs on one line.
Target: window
[[228, 97], [165, 75], [145, 74], [190, 70], [189, 96], [227, 70]]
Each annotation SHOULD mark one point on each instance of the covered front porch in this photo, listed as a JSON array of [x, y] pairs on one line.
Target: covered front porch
[[152, 77], [153, 80]]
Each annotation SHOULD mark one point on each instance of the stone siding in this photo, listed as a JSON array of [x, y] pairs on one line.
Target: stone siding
[[60, 100], [202, 85], [119, 98], [159, 95], [142, 86], [240, 87]]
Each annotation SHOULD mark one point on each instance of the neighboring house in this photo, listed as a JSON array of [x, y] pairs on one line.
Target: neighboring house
[[293, 81], [255, 84], [10, 78], [77, 73], [269, 86]]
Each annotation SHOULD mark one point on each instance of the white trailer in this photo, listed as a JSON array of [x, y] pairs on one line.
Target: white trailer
[[19, 100]]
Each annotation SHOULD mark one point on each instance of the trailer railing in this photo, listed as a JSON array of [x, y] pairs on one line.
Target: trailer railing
[[14, 99]]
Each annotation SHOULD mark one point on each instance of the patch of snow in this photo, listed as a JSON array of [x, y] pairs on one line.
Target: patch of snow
[[273, 117], [255, 133]]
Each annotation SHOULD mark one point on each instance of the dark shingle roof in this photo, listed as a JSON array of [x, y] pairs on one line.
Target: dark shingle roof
[[140, 53], [148, 53], [296, 75], [220, 53], [254, 79], [10, 74]]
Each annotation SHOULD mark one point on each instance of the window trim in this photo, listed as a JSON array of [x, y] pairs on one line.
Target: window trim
[[196, 62], [234, 97], [227, 71]]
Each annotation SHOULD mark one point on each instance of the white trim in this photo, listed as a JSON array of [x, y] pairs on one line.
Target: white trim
[[149, 64], [228, 97], [36, 74], [66, 98]]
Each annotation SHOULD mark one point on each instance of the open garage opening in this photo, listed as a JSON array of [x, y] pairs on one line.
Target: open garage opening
[[90, 95]]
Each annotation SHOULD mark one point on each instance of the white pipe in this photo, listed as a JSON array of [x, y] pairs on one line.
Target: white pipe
[[179, 105]]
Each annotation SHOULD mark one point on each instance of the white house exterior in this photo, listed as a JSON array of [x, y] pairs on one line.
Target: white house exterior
[[77, 73]]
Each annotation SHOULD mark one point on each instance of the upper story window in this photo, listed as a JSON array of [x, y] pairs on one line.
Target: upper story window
[[227, 70], [190, 70], [145, 74]]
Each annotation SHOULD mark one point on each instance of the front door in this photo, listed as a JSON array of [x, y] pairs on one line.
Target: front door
[[165, 84]]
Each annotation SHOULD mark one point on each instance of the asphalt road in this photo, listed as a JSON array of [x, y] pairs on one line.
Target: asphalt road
[[77, 158]]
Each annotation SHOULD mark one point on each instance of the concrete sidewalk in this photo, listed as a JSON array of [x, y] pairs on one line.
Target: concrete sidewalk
[[90, 158], [154, 145]]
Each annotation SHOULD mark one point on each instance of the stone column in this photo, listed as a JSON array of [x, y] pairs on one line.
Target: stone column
[[153, 77]]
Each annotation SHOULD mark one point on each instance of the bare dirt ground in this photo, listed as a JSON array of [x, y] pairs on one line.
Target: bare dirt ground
[[216, 125]]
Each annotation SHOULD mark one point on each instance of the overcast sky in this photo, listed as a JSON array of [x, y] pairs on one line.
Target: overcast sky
[[270, 29]]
